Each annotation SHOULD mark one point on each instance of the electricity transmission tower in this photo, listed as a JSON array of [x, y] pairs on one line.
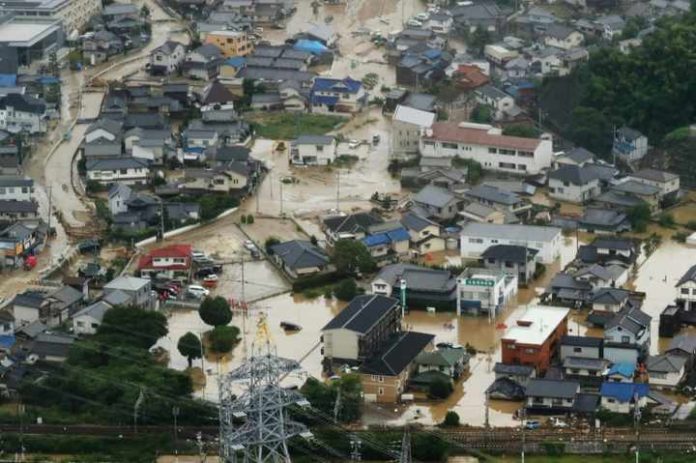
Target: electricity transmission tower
[[254, 423]]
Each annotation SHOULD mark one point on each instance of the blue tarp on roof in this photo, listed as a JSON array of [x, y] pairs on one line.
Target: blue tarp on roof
[[324, 100], [347, 85], [624, 392], [625, 369], [7, 341], [195, 149], [48, 80], [432, 53], [236, 61], [376, 240], [400, 234], [8, 80], [310, 46]]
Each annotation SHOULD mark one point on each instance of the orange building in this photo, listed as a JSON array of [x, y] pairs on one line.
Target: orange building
[[230, 43], [535, 338]]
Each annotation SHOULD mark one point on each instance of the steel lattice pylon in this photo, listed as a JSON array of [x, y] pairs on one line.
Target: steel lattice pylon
[[254, 426]]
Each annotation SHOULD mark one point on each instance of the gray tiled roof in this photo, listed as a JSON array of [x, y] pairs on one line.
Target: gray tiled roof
[[362, 313], [432, 195], [493, 194], [552, 388], [298, 254]]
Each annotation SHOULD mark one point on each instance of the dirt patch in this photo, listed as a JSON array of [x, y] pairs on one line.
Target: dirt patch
[[266, 227], [371, 9]]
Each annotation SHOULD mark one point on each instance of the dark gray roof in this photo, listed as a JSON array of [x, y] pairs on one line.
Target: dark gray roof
[[118, 163], [413, 221], [215, 92], [509, 253], [422, 101], [565, 281], [595, 216], [665, 363], [610, 295], [15, 181], [635, 187], [397, 354], [585, 363], [513, 370], [435, 196], [627, 132], [558, 31], [418, 278], [582, 341], [33, 299], [313, 140], [11, 206], [684, 343], [689, 275], [493, 194], [615, 243], [576, 175], [655, 175], [96, 310], [168, 47], [552, 388], [631, 319], [586, 403], [580, 155], [298, 254], [362, 313], [110, 125], [352, 223], [208, 51], [67, 295]]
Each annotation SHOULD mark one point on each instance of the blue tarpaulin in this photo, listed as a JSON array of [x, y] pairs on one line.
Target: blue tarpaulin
[[8, 80], [311, 46]]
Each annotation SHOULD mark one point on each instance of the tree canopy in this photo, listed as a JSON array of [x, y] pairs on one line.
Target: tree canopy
[[350, 256], [323, 396], [223, 338], [215, 311], [190, 347], [133, 326]]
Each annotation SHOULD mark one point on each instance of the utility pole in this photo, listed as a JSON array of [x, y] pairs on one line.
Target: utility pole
[[175, 414], [523, 415], [50, 206], [338, 189], [281, 197], [136, 410], [636, 421], [406, 447], [355, 450]]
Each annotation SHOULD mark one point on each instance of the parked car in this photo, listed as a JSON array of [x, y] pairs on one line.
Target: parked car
[[532, 424], [197, 291], [197, 254], [204, 272], [88, 246], [353, 144], [249, 245], [556, 422], [376, 139], [414, 23]]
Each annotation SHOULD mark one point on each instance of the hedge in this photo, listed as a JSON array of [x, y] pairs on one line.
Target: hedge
[[315, 281]]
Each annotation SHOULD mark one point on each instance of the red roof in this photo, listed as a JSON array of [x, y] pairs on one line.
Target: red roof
[[171, 251], [469, 76], [450, 131]]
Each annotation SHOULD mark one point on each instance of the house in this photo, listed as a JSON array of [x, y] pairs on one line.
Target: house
[[17, 210], [488, 146], [599, 220], [683, 345], [299, 258], [483, 291], [621, 372], [88, 320], [362, 329], [15, 188], [202, 63], [577, 157], [115, 11], [65, 301], [332, 95], [587, 371], [498, 198], [469, 77], [231, 178], [559, 36], [386, 375], [437, 203], [607, 250], [440, 22], [610, 26], [630, 326], [166, 59], [573, 183], [629, 144], [612, 300], [484, 15], [130, 171], [581, 347], [322, 33], [173, 261], [665, 371], [216, 98], [30, 306], [535, 338], [387, 241], [313, 150], [475, 238], [422, 286], [477, 212], [129, 290], [521, 374], [600, 277], [182, 213], [551, 395], [452, 362], [513, 260], [22, 113], [424, 233], [666, 182], [52, 347], [434, 171], [230, 43], [501, 103], [685, 290], [407, 125], [353, 226], [18, 240], [623, 397], [151, 145], [100, 46], [9, 160], [625, 194]]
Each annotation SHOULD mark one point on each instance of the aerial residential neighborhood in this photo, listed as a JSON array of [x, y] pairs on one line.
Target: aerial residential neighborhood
[[345, 230]]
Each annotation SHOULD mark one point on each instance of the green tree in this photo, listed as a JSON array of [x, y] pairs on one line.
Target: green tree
[[478, 40], [639, 216], [521, 130], [482, 114], [323, 396], [215, 311], [313, 240], [666, 220], [129, 325], [592, 129], [350, 256], [451, 419], [190, 347], [429, 447], [440, 388], [346, 289], [270, 242], [223, 338], [144, 12]]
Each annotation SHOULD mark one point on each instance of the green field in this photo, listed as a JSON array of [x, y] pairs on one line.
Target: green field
[[287, 126]]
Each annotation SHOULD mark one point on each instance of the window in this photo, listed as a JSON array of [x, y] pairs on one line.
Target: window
[[123, 171], [506, 165], [451, 146], [373, 377], [511, 347], [611, 401], [476, 240], [380, 391], [530, 351], [683, 290], [625, 339], [320, 148], [521, 167], [574, 371], [525, 154], [380, 379], [577, 349], [492, 150], [506, 152]]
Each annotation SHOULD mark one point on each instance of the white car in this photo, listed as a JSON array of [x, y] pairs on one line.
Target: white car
[[414, 23], [198, 255], [197, 291], [353, 144], [249, 245], [421, 17]]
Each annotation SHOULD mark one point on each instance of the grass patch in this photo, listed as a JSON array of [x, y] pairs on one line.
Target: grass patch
[[286, 126]]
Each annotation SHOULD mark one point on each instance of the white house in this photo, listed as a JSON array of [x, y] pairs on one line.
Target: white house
[[476, 237], [407, 125], [440, 22], [22, 113], [488, 146], [623, 397], [16, 188], [87, 320], [333, 95], [501, 102], [167, 58], [575, 184], [630, 328], [581, 347], [667, 182], [559, 36], [665, 371], [119, 194], [629, 144], [130, 171], [313, 150], [686, 290], [484, 291]]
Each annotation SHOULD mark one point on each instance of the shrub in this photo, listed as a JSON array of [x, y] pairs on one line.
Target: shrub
[[250, 219], [223, 338], [270, 242], [215, 311], [346, 289], [680, 237], [440, 389], [691, 224], [666, 220], [451, 419]]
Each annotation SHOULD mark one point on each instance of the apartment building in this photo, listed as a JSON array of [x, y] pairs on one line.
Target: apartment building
[[230, 43], [74, 14]]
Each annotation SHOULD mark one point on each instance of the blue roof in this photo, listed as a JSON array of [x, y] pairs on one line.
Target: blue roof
[[236, 61], [48, 80], [311, 46], [7, 341], [8, 80], [347, 85], [195, 149], [625, 369], [376, 240], [432, 53], [624, 392], [400, 234], [324, 100]]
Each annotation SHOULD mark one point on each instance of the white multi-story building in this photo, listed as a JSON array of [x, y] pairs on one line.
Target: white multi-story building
[[313, 150], [74, 14], [22, 113], [484, 291], [130, 171], [16, 188], [477, 237], [488, 146], [408, 124]]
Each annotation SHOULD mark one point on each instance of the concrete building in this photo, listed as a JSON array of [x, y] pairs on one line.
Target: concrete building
[[173, 261], [130, 171], [27, 40], [72, 14], [407, 125], [136, 290], [483, 291], [313, 150], [22, 113], [230, 43], [516, 261], [488, 146], [536, 337], [475, 238]]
